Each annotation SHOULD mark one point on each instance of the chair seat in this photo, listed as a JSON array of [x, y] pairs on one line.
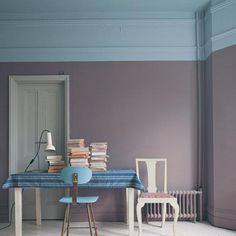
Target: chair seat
[[155, 195], [90, 199]]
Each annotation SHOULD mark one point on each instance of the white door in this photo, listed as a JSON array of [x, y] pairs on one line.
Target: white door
[[39, 105]]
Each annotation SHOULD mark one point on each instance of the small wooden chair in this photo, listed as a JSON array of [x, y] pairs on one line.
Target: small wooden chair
[[152, 196], [75, 176]]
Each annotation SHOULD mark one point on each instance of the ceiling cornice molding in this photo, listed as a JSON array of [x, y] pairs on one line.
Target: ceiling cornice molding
[[220, 41], [224, 34], [97, 15], [95, 21], [220, 6], [94, 54]]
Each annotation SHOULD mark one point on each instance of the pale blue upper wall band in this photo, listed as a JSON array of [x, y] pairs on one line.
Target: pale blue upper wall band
[[165, 36], [220, 26], [101, 39]]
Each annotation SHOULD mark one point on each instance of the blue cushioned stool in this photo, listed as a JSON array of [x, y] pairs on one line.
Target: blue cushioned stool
[[75, 176]]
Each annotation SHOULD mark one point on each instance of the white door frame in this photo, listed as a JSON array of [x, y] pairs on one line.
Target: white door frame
[[14, 81]]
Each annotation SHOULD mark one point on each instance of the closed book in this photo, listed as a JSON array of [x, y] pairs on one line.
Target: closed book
[[78, 157], [54, 158], [98, 169], [98, 153], [79, 164], [98, 144], [98, 163], [56, 167], [80, 140], [54, 171], [78, 161], [98, 160], [98, 149], [57, 163], [78, 149], [85, 154]]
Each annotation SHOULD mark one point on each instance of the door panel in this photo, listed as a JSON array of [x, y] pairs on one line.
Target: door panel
[[39, 107], [27, 126]]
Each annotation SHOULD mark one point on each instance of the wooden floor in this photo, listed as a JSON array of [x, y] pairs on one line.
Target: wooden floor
[[52, 228]]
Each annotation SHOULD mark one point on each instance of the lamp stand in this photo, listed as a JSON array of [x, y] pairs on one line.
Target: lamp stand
[[49, 147]]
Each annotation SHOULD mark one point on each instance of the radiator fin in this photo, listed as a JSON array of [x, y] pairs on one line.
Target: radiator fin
[[190, 207]]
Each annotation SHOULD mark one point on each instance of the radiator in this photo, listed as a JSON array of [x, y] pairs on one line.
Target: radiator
[[190, 207]]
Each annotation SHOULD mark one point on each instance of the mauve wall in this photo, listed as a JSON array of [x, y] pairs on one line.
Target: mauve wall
[[208, 144], [222, 175], [142, 109]]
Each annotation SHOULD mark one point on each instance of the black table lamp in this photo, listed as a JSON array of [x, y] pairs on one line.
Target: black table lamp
[[49, 148]]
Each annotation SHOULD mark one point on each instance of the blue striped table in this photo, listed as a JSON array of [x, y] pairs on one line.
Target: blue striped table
[[117, 178]]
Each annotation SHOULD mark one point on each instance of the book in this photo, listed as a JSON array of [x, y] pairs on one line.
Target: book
[[79, 156], [98, 144], [99, 169], [98, 153], [56, 167], [79, 162], [54, 158], [75, 143], [54, 171], [78, 149], [56, 163], [97, 166], [98, 160]]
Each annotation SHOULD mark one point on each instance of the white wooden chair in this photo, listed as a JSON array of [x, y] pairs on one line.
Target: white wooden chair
[[152, 196]]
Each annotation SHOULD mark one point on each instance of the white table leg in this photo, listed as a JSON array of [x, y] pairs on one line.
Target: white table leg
[[131, 210], [18, 211], [38, 206], [127, 205]]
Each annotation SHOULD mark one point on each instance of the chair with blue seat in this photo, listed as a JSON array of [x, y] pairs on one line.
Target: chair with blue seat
[[76, 176]]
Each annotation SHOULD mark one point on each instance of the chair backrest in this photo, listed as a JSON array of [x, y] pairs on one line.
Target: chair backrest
[[84, 174], [151, 172]]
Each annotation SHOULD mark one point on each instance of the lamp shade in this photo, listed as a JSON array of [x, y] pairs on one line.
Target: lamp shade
[[49, 146]]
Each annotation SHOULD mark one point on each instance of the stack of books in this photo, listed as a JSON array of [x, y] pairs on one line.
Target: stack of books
[[78, 156], [98, 158], [55, 163]]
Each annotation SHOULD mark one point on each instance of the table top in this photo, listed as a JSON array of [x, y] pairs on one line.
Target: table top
[[114, 178]]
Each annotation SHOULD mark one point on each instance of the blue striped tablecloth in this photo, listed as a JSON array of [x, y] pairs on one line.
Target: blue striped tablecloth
[[117, 178]]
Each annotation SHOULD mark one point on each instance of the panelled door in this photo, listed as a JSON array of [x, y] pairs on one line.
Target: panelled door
[[39, 105]]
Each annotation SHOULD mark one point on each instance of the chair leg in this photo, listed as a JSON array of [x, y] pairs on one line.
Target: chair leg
[[68, 221], [176, 208], [139, 217], [147, 209], [93, 219], [163, 205], [65, 221], [89, 219]]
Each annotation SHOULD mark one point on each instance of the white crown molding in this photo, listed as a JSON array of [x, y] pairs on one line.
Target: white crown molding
[[220, 6], [98, 54], [97, 15], [95, 22], [220, 41], [224, 35]]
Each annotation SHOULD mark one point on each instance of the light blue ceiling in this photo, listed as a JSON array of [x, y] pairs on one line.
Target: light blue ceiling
[[60, 6]]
